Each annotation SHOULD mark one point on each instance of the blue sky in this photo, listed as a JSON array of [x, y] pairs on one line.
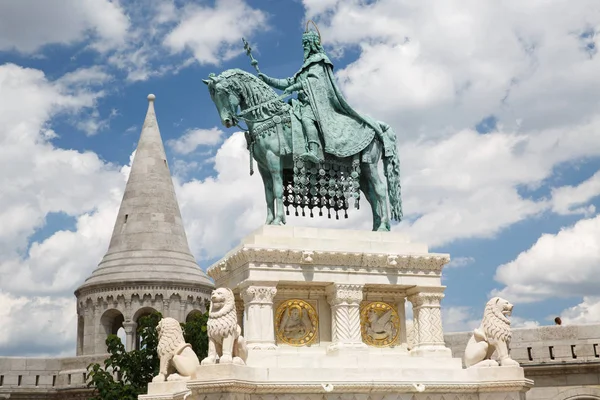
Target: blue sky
[[496, 109]]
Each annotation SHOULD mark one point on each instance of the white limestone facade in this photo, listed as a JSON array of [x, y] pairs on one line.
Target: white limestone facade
[[307, 296]]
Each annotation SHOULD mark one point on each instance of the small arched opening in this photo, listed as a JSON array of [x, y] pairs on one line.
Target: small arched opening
[[142, 312], [110, 323], [193, 314]]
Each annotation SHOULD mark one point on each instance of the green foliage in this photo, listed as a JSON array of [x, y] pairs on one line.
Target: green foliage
[[132, 371], [194, 332]]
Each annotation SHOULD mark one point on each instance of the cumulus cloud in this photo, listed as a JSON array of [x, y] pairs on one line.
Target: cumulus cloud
[[219, 211], [28, 25], [193, 138], [464, 319], [588, 311], [435, 73], [570, 199], [40, 178], [24, 318], [212, 34], [459, 319], [557, 265], [460, 262]]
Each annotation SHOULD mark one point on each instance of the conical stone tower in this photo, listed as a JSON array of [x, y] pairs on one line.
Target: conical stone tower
[[148, 266]]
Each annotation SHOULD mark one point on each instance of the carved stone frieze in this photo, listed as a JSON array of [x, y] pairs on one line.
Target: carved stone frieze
[[329, 260], [371, 388]]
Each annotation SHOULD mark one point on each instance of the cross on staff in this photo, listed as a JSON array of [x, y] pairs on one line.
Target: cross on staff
[[248, 49]]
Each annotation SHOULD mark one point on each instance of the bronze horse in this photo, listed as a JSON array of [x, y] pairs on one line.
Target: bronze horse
[[270, 137]]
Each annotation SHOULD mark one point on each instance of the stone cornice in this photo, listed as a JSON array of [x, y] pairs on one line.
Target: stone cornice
[[241, 386], [140, 287], [346, 262]]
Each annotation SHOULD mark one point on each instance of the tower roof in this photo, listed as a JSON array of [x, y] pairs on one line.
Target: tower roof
[[148, 244]]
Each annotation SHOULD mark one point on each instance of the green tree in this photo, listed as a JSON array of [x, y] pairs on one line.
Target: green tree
[[125, 375], [194, 332], [132, 371]]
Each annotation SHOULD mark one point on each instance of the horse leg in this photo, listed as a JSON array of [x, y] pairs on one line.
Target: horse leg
[[276, 171], [268, 184], [367, 190], [377, 188]]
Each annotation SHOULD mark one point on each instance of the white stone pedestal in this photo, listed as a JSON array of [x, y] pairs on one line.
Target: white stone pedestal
[[344, 293], [167, 391]]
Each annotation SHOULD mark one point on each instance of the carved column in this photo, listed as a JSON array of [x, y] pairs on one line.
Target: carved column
[[130, 331], [239, 309], [427, 317], [400, 305], [182, 307], [166, 309], [259, 331], [99, 337], [345, 302]]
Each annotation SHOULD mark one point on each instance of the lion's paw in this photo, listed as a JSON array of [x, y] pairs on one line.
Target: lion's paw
[[226, 359], [485, 363], [238, 361], [159, 378], [208, 361], [509, 362]]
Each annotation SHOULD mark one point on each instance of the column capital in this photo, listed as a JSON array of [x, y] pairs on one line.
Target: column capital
[[426, 297], [343, 293], [130, 326], [259, 294]]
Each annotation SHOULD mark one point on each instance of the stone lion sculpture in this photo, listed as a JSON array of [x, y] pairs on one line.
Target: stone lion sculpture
[[492, 335], [177, 359], [226, 344]]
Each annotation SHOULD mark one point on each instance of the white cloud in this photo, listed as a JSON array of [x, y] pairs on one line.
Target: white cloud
[[459, 319], [38, 278], [213, 34], [460, 262], [28, 25], [564, 198], [464, 60], [43, 178], [193, 138], [219, 211], [25, 318], [557, 265], [433, 73], [465, 319], [587, 312]]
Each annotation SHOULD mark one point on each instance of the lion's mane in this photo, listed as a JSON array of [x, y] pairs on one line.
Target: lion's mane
[[170, 337], [495, 324], [223, 322]]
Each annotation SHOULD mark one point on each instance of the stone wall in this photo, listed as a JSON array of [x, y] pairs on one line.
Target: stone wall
[[45, 378], [563, 361]]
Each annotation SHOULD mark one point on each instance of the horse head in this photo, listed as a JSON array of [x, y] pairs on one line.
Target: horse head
[[225, 98]]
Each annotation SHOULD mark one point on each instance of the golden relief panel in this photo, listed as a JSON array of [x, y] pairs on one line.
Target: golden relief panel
[[379, 324], [296, 323]]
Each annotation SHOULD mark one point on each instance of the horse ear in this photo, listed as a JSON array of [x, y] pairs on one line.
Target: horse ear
[[206, 81]]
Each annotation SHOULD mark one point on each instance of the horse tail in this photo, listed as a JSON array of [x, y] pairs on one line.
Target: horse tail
[[391, 165]]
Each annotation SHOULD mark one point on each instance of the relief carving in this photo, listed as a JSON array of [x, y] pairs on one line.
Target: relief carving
[[297, 323]]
